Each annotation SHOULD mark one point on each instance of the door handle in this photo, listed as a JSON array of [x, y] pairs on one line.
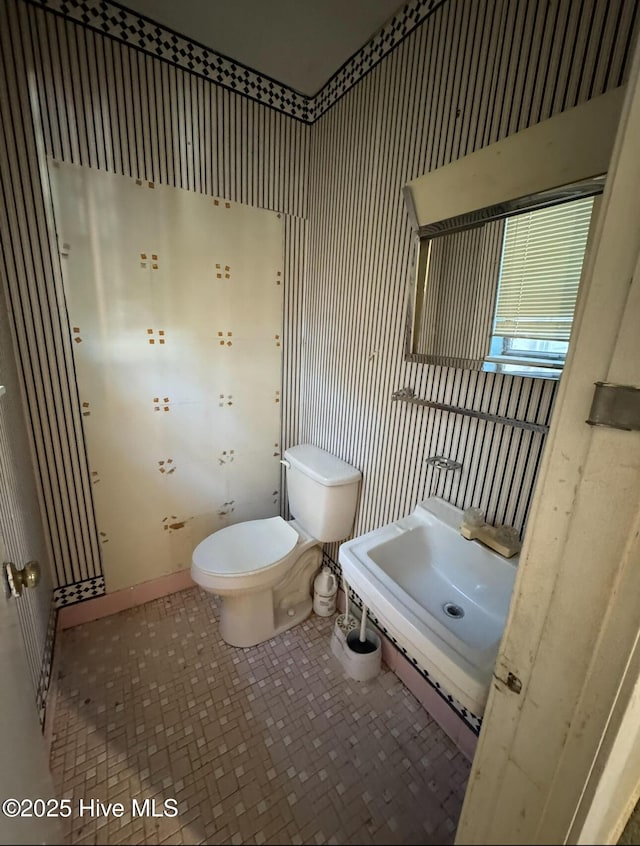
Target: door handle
[[28, 577]]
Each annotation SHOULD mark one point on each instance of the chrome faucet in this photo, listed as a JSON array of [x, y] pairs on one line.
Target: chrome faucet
[[440, 462]]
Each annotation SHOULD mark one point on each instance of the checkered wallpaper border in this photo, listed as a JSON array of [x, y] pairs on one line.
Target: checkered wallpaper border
[[117, 22], [383, 42], [78, 591]]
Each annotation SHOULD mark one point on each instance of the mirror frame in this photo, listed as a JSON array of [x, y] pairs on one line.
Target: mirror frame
[[426, 233]]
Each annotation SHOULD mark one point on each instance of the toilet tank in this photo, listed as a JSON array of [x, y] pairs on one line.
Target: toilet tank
[[323, 492]]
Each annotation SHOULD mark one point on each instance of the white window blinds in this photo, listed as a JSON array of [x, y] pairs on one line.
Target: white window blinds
[[540, 271]]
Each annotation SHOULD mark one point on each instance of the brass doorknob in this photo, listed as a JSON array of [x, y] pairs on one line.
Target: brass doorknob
[[28, 577]]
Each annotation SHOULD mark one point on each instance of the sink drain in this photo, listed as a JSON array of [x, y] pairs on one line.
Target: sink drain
[[453, 610]]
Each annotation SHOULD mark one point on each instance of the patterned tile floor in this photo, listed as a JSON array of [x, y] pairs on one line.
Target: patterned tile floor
[[272, 744]]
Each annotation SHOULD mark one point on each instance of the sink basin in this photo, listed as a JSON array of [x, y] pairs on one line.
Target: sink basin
[[443, 598]]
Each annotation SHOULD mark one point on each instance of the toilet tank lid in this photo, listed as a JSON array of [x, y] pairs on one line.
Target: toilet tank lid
[[321, 465]]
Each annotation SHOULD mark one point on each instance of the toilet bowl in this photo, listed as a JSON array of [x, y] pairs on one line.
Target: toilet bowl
[[263, 570], [251, 565]]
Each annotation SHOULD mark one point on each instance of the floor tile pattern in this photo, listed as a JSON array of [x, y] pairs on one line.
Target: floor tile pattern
[[272, 744]]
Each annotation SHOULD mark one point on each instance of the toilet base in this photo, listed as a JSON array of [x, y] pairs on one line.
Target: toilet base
[[251, 617], [248, 620]]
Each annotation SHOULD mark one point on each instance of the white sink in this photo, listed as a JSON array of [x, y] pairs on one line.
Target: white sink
[[443, 598]]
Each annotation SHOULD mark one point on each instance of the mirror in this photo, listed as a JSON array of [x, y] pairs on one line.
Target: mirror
[[495, 289]]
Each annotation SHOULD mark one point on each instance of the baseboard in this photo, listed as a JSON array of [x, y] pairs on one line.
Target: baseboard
[[52, 693], [121, 600]]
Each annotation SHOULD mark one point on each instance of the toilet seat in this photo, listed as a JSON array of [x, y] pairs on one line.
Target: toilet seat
[[232, 557]]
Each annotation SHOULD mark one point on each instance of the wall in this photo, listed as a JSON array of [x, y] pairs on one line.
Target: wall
[[470, 74], [101, 103], [175, 304]]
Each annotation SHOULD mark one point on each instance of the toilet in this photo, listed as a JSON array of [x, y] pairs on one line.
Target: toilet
[[264, 569]]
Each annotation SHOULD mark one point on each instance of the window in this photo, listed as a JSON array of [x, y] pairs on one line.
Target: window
[[540, 268]]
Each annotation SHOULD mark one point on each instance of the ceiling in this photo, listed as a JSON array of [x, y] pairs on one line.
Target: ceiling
[[300, 43]]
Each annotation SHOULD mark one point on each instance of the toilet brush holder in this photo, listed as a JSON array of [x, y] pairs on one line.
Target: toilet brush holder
[[344, 624], [362, 659]]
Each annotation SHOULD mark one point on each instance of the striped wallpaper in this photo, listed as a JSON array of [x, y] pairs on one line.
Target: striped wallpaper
[[160, 42], [467, 74], [73, 94], [473, 72]]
